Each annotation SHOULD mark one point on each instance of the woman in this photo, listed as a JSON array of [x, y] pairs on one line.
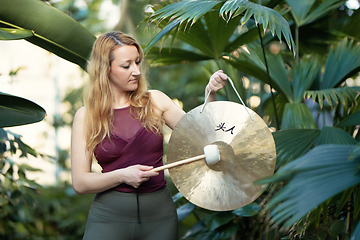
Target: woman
[[120, 125]]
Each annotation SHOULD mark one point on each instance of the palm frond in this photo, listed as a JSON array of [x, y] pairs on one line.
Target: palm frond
[[297, 116], [334, 135], [315, 177], [342, 62], [351, 27], [333, 96], [187, 12], [303, 75], [202, 35], [352, 120], [291, 144], [301, 12], [249, 61], [269, 18], [168, 56]]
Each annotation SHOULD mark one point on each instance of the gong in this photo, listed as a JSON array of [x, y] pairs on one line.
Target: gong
[[247, 153]]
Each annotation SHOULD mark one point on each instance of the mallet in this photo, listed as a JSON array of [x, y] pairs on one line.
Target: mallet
[[211, 155]]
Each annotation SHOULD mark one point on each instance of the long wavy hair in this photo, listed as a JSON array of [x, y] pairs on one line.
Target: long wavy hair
[[98, 95]]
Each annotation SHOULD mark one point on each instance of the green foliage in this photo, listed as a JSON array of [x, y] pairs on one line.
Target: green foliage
[[54, 30], [17, 192], [307, 11], [217, 225], [190, 12], [314, 192], [30, 211], [13, 34], [18, 111], [320, 180]]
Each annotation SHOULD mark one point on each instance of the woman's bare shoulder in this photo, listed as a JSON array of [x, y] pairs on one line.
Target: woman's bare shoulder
[[160, 99], [80, 114]]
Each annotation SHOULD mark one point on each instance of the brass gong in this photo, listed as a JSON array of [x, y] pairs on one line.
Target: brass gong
[[247, 153]]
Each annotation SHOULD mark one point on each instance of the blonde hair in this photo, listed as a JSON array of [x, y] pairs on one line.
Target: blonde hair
[[98, 96]]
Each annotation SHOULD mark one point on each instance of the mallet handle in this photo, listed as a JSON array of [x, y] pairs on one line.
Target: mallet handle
[[174, 164]]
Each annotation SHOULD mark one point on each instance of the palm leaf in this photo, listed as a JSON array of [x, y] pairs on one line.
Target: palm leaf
[[303, 75], [343, 61], [251, 35], [313, 178], [334, 135], [187, 12], [167, 56], [268, 17], [297, 116], [203, 34], [14, 34], [17, 111], [53, 30], [291, 144], [351, 27], [301, 10], [250, 62], [333, 96], [352, 120]]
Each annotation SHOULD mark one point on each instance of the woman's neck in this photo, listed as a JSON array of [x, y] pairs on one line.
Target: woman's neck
[[121, 100]]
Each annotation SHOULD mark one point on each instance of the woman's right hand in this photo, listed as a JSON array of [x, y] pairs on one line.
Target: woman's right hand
[[137, 174]]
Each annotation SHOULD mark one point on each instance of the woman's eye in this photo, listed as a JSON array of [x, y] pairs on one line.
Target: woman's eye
[[138, 62], [126, 67]]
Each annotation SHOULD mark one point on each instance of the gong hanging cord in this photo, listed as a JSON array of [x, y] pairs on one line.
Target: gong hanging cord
[[232, 85]]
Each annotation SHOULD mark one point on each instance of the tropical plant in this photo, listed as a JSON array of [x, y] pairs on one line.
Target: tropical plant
[[54, 30], [17, 192], [320, 78], [243, 44]]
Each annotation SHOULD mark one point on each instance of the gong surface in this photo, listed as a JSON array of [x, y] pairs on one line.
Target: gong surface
[[247, 153]]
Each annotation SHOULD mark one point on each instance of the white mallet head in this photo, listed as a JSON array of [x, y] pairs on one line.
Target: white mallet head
[[212, 154]]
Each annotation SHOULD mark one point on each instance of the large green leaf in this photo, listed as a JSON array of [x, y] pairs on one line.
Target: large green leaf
[[291, 144], [18, 111], [303, 75], [168, 56], [188, 12], [301, 10], [352, 120], [14, 34], [342, 62], [269, 18], [218, 219], [202, 34], [312, 179], [250, 61], [297, 116], [215, 25], [351, 28], [334, 135], [53, 30]]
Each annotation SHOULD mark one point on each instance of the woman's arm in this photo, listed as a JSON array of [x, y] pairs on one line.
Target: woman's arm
[[84, 181]]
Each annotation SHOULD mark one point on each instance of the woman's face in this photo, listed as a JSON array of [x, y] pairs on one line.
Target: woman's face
[[125, 69]]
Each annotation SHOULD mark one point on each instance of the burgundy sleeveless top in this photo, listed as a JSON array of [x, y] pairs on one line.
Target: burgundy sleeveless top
[[131, 144]]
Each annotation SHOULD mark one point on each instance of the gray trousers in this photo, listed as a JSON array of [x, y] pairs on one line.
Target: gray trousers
[[127, 216]]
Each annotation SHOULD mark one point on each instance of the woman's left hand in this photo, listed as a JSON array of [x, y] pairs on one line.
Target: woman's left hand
[[217, 81]]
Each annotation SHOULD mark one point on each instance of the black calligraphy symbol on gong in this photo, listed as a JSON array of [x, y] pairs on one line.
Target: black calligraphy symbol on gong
[[222, 127]]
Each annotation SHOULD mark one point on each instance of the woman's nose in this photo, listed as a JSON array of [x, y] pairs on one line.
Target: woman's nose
[[136, 69]]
